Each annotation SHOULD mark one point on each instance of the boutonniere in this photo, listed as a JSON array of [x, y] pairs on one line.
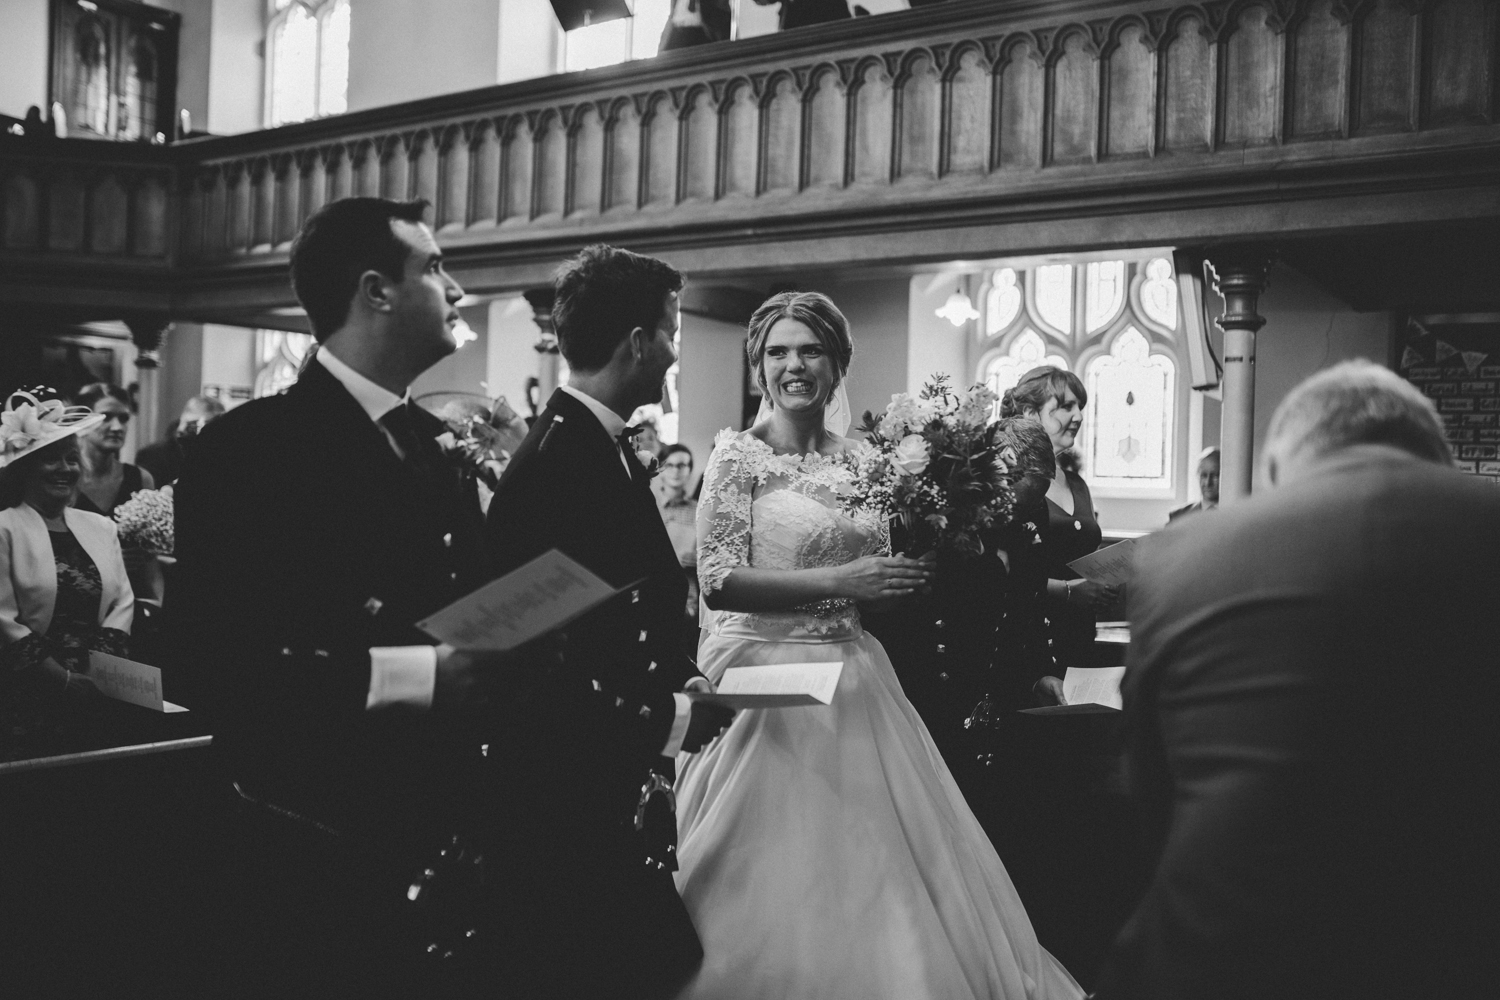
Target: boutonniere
[[472, 447], [650, 463]]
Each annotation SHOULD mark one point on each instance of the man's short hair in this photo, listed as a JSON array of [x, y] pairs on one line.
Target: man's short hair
[[338, 243], [601, 295], [1356, 402]]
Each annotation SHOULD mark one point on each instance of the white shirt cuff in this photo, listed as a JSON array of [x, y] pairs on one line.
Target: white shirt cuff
[[679, 725], [402, 675]]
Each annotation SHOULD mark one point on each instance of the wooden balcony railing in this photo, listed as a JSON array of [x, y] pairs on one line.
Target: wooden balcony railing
[[962, 130]]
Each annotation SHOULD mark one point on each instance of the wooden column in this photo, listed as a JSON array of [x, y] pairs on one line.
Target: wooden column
[[1240, 277], [147, 333], [548, 357]]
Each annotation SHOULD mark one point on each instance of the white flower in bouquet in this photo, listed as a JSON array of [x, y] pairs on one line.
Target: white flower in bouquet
[[911, 455], [145, 520]]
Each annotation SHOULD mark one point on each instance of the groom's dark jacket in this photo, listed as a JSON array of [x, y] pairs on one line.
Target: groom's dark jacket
[[580, 752], [303, 541]]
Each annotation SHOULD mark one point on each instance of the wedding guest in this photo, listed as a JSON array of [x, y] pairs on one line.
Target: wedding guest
[[63, 585], [679, 512], [1310, 715], [1055, 399], [696, 22], [315, 528], [163, 459], [1208, 486], [593, 759], [801, 13], [108, 482]]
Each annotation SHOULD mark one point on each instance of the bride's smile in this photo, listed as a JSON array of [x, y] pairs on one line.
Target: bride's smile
[[798, 373]]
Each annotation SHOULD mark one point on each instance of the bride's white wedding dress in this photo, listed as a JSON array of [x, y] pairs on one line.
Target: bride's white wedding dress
[[827, 852]]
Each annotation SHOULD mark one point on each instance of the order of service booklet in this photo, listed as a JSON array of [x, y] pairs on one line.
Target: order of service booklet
[[775, 685], [529, 601]]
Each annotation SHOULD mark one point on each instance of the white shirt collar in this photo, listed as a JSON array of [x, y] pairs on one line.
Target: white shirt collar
[[375, 400], [613, 423]]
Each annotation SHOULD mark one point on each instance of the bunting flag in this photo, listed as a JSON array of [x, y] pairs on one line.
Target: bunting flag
[[1473, 359], [1410, 356], [1445, 351]]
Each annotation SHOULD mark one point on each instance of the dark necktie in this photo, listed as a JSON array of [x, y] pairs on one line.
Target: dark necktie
[[399, 423]]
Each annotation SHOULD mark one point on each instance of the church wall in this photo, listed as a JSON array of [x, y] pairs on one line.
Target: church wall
[[402, 51], [710, 387], [23, 57], [181, 369], [466, 369]]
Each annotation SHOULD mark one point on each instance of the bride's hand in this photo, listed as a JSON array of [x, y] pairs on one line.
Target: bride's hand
[[873, 578]]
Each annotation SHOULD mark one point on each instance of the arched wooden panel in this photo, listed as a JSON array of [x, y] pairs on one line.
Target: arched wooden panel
[[423, 171], [783, 136], [700, 155], [1319, 71], [314, 184], [624, 140], [367, 169], [1252, 59], [340, 174], [661, 150], [1385, 41], [873, 110], [109, 216], [969, 115], [263, 222], [67, 209], [216, 225], [826, 131], [286, 181], [1188, 65], [194, 209], [586, 191], [395, 167], [920, 119], [1022, 89], [741, 141], [454, 165], [551, 179], [1460, 42], [1075, 102], [484, 176], [1130, 119], [23, 212], [520, 163], [150, 213], [240, 208]]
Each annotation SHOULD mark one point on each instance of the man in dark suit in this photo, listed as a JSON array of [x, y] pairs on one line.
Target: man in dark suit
[[1310, 706], [1208, 486], [314, 529], [605, 917]]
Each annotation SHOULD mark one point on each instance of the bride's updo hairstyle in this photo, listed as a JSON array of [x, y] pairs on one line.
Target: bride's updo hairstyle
[[813, 310], [1039, 386]]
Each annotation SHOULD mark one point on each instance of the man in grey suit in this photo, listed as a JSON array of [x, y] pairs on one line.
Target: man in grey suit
[[1311, 719]]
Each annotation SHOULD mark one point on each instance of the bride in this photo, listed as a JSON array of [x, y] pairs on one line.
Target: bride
[[827, 852]]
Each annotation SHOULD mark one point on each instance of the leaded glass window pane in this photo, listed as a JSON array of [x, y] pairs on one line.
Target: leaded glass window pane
[[1104, 293], [294, 67], [1127, 434], [1026, 352], [598, 45], [1054, 295], [1004, 301], [333, 63], [1159, 293]]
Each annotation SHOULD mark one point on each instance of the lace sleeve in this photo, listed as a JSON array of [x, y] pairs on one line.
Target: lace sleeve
[[724, 512]]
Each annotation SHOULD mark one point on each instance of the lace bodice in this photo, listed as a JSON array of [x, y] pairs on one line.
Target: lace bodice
[[774, 511]]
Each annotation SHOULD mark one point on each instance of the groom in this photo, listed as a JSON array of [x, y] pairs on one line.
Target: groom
[[604, 918]]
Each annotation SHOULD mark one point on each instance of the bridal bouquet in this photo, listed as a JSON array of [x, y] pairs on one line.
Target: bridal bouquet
[[145, 521], [932, 464]]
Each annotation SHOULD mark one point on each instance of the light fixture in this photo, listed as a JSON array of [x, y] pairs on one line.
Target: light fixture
[[958, 310]]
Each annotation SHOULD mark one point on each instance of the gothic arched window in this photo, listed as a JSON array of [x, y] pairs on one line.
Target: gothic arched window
[[1114, 322], [307, 60]]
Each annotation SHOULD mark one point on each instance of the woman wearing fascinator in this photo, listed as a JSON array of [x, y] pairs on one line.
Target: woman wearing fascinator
[[64, 589], [826, 851]]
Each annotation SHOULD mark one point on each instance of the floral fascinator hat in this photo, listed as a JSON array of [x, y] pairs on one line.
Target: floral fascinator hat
[[33, 420]]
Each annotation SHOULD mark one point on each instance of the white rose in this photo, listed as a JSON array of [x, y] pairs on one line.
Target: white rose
[[911, 455]]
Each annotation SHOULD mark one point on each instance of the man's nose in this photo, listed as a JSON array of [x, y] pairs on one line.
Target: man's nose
[[455, 292]]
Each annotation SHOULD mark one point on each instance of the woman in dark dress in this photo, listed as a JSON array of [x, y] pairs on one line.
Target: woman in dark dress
[[1055, 399], [108, 482]]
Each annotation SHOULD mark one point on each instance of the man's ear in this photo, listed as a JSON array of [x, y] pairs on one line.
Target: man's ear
[[640, 343], [374, 291]]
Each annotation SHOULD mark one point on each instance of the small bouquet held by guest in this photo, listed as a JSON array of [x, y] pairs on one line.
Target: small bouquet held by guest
[[932, 463], [481, 435], [145, 522]]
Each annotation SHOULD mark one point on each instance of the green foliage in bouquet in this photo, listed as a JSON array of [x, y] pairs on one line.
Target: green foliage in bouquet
[[932, 464]]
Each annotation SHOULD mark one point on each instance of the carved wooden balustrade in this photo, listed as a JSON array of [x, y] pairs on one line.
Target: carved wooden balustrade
[[963, 130]]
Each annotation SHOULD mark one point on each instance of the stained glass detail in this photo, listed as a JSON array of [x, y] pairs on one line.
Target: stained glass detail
[[1054, 295], [1003, 304], [1127, 433], [1026, 352], [91, 85], [280, 353], [1104, 293], [1159, 293], [294, 67], [333, 60]]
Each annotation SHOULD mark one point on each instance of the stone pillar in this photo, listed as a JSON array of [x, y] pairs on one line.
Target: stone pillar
[[1240, 277], [147, 333], [548, 356]]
